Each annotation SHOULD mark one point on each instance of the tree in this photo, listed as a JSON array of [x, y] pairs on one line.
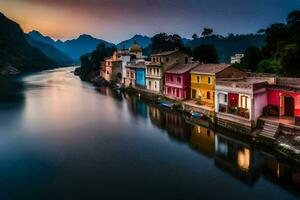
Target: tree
[[290, 60], [164, 42], [195, 36], [251, 58], [206, 54], [276, 34], [207, 32], [293, 18], [269, 66], [90, 63], [293, 22]]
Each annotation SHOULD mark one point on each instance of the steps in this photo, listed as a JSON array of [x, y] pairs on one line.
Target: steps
[[269, 130]]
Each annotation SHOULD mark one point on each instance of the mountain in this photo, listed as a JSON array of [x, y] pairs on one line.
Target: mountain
[[41, 38], [74, 48], [229, 45], [49, 50], [143, 41], [77, 47], [15, 52]]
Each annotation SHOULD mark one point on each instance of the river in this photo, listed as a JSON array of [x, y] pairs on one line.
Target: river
[[61, 138]]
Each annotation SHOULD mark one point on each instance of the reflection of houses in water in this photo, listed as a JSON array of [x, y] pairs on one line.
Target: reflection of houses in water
[[176, 125], [136, 106], [203, 140], [156, 116], [286, 175], [238, 159]]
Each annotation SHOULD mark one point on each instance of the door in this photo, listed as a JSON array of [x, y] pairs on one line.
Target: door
[[289, 106], [193, 94]]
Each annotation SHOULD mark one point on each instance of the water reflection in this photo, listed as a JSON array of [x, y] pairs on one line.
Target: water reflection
[[237, 158], [69, 135]]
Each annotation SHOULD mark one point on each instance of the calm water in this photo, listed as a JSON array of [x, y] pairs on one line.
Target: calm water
[[63, 139]]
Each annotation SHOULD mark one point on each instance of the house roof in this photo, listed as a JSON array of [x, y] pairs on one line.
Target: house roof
[[165, 53], [210, 68], [181, 68]]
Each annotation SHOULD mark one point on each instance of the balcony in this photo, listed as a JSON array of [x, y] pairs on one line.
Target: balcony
[[238, 111]]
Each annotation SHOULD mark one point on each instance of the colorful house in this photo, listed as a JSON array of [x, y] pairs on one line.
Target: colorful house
[[130, 76], [168, 58], [177, 81], [112, 69], [284, 97], [203, 81], [154, 77], [140, 74], [161, 62], [241, 101]]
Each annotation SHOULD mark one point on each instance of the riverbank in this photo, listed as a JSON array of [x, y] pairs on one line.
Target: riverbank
[[285, 150]]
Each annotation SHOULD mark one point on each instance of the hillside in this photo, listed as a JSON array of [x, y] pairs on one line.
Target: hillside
[[15, 50], [77, 47], [232, 44], [50, 51], [143, 41]]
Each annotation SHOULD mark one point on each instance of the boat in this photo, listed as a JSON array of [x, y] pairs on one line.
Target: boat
[[167, 104], [197, 115]]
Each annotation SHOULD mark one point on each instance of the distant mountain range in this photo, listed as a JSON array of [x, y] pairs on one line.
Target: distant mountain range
[[72, 48], [16, 53], [51, 51], [36, 51], [143, 41]]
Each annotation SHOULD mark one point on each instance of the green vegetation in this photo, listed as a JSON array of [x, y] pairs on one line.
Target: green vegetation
[[206, 54], [91, 62], [164, 42], [281, 53]]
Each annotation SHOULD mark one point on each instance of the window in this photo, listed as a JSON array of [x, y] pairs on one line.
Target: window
[[223, 98], [150, 84], [160, 60], [153, 59], [198, 79], [157, 71], [155, 85], [167, 59], [171, 78], [150, 71], [208, 95], [209, 80], [177, 92], [178, 80], [244, 102]]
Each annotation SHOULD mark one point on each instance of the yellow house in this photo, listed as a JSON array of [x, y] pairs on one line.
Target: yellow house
[[203, 81]]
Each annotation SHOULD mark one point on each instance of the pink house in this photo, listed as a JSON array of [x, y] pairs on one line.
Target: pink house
[[178, 80]]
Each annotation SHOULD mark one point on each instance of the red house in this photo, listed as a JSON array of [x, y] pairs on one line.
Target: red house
[[285, 97], [178, 80]]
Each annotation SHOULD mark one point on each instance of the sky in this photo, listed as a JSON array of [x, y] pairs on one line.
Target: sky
[[117, 20]]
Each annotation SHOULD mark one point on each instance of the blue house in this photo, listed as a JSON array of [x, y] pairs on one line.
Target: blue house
[[140, 75]]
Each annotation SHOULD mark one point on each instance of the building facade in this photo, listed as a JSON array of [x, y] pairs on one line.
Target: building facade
[[203, 79], [285, 97], [177, 81], [154, 77], [130, 77], [242, 100]]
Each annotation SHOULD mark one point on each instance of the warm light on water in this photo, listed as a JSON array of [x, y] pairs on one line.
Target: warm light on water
[[64, 139]]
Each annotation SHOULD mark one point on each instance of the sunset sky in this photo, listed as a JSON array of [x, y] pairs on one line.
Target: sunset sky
[[116, 20]]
